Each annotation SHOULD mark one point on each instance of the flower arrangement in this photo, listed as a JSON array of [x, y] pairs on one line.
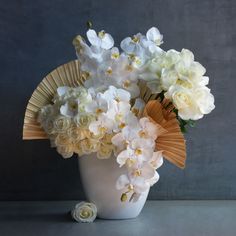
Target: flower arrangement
[[109, 114]]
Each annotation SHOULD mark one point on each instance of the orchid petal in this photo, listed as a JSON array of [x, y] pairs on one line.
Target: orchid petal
[[62, 90], [93, 38], [107, 41], [122, 182], [154, 35]]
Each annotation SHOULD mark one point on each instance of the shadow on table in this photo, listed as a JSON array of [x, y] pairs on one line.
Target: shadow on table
[[40, 217]]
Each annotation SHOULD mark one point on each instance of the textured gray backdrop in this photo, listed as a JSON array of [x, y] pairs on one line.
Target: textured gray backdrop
[[35, 37]]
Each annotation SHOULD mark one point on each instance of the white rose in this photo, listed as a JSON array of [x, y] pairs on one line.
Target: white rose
[[85, 212], [204, 99], [191, 103], [184, 100], [168, 78]]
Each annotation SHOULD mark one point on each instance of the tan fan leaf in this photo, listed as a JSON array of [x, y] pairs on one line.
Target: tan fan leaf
[[65, 75], [171, 142], [145, 92]]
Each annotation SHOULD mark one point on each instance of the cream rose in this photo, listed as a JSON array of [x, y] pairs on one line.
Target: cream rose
[[84, 120], [85, 212], [61, 124]]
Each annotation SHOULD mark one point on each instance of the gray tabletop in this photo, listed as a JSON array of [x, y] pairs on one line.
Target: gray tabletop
[[157, 218]]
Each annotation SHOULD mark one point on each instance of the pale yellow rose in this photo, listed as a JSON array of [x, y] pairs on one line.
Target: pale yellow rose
[[89, 145], [91, 135], [106, 139], [62, 140], [76, 133], [104, 151], [66, 151]]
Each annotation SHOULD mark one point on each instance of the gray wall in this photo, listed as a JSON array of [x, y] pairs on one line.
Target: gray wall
[[35, 37]]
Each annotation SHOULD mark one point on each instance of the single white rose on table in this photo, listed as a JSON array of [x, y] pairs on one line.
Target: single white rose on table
[[85, 212]]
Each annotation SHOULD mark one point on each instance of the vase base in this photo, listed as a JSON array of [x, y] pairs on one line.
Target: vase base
[[117, 217], [121, 211]]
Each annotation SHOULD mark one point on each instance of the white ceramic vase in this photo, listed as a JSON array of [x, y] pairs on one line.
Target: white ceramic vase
[[99, 182]]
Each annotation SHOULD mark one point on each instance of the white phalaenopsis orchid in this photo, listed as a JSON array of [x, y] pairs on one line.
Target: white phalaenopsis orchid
[[71, 101], [129, 183], [118, 110], [156, 160], [104, 66], [132, 45], [136, 153], [125, 137], [153, 35], [137, 181], [70, 108], [138, 107], [119, 95], [100, 40], [101, 126], [149, 130], [98, 105], [142, 48]]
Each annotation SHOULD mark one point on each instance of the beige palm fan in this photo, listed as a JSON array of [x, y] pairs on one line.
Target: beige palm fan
[[171, 140], [65, 75]]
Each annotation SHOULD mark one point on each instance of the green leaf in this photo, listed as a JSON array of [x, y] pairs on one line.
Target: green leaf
[[183, 129], [161, 95], [192, 123], [184, 124]]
